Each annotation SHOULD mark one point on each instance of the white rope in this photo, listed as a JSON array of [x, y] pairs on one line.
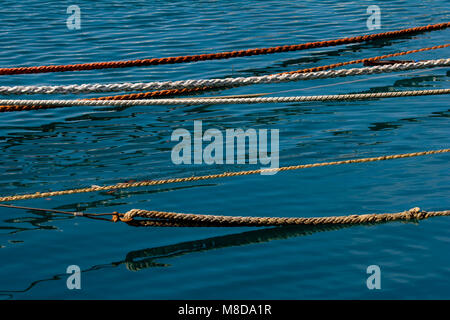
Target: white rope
[[226, 82], [203, 101]]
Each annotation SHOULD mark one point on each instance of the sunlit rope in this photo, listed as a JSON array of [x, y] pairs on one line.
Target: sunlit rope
[[340, 83], [412, 214], [340, 64], [152, 218], [199, 90], [214, 176], [164, 85], [221, 55], [174, 92]]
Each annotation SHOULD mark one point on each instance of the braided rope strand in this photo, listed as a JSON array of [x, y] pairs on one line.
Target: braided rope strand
[[214, 176], [229, 221], [18, 104], [190, 84], [133, 96], [341, 64], [221, 55], [199, 90]]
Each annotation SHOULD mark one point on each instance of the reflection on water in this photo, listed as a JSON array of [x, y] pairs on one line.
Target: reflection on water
[[149, 258]]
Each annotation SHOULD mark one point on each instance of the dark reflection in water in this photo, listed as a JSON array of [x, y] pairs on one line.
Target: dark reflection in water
[[149, 258], [39, 223]]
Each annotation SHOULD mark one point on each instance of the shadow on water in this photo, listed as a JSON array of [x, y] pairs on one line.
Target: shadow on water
[[149, 258]]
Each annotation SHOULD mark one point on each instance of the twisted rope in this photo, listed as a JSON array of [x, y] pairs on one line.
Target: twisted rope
[[373, 59], [191, 84], [133, 96], [313, 69], [214, 176], [19, 104], [220, 55], [228, 221], [198, 90]]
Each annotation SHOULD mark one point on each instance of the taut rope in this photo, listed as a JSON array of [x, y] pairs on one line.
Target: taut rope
[[230, 221], [17, 105], [215, 176], [198, 90], [221, 55], [165, 85]]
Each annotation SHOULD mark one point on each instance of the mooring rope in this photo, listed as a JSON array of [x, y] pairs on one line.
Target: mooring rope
[[199, 90], [175, 92], [152, 218], [412, 214], [221, 55], [17, 105], [215, 176], [364, 60], [267, 79]]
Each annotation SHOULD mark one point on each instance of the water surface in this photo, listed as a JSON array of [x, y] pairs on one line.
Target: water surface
[[77, 147]]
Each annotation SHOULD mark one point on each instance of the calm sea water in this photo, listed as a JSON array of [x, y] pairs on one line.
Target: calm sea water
[[77, 147]]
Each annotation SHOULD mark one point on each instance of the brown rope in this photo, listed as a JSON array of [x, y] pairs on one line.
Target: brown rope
[[340, 64], [221, 55], [228, 221], [132, 96], [187, 91], [215, 176], [177, 92]]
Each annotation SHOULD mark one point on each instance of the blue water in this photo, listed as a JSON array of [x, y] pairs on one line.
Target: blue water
[[77, 147]]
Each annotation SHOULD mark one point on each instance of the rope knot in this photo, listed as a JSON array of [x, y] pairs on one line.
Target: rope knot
[[414, 213]]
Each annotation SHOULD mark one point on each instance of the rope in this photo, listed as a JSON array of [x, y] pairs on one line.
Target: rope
[[214, 176], [391, 55], [412, 214], [190, 84], [314, 69], [133, 96], [221, 55], [199, 90], [16, 105]]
